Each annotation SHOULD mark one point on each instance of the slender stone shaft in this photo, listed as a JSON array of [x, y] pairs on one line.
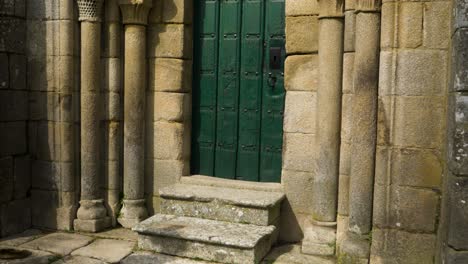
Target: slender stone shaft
[[325, 185], [92, 215], [135, 17], [364, 130], [320, 237]]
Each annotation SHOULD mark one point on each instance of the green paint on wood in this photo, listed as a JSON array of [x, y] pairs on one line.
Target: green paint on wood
[[238, 99]]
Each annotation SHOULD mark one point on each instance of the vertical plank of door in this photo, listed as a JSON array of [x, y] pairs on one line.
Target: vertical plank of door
[[273, 96], [250, 90], [228, 89], [205, 82]]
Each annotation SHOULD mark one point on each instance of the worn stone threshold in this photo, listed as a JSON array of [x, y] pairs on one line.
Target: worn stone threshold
[[247, 198], [228, 183], [204, 230]]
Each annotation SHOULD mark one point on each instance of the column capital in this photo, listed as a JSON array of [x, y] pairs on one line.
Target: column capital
[[135, 11], [89, 10], [368, 5], [331, 8]]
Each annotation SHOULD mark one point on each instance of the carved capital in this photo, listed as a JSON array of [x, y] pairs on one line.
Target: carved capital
[[331, 8], [368, 5], [135, 11], [89, 10]]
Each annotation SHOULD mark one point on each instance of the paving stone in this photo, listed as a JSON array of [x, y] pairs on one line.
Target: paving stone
[[78, 260], [118, 233], [59, 243], [205, 239], [109, 250], [22, 238], [291, 254], [36, 257]]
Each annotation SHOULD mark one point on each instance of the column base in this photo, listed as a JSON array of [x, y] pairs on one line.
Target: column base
[[354, 249], [92, 226], [132, 213], [92, 216], [320, 240]]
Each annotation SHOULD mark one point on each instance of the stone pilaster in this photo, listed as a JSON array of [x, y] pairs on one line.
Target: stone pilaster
[[364, 130], [135, 16], [320, 237], [92, 215]]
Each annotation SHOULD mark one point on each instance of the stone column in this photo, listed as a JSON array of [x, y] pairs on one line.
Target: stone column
[[321, 235], [92, 214], [135, 17], [364, 129]]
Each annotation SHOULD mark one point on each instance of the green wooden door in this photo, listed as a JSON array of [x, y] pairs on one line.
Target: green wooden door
[[238, 89]]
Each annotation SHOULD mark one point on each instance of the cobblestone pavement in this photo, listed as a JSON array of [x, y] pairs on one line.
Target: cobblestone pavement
[[113, 246]]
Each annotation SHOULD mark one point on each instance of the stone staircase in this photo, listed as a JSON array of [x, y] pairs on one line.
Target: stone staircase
[[226, 225]]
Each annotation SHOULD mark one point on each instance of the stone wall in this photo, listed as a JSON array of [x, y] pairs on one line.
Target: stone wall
[[411, 130], [301, 83], [455, 217], [53, 128], [169, 100], [15, 164]]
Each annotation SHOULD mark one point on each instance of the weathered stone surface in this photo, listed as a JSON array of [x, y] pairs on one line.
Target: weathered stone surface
[[6, 179], [296, 40], [349, 31], [436, 25], [420, 72], [59, 243], [170, 41], [388, 39], [4, 71], [108, 250], [205, 239], [456, 257], [457, 145], [7, 7], [45, 175], [12, 34], [111, 74], [18, 239], [247, 198], [15, 217], [408, 208], [13, 105], [393, 246], [319, 240], [172, 107], [178, 11], [302, 8], [12, 138], [44, 206], [298, 190], [298, 152], [17, 72], [410, 24], [170, 75], [162, 173], [50, 9], [299, 113], [78, 260], [222, 204], [417, 121], [117, 233], [460, 60], [37, 257], [291, 254], [458, 213], [112, 106], [144, 257], [168, 141], [301, 73]]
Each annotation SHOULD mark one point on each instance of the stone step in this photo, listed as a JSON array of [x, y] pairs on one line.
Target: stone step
[[205, 239], [222, 204]]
